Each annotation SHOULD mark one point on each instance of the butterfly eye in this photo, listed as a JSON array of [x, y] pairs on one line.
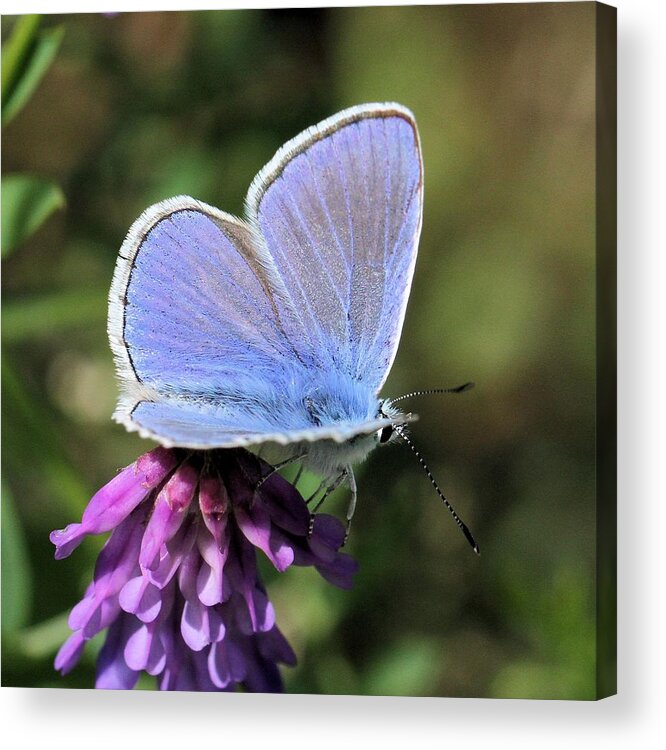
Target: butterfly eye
[[385, 434]]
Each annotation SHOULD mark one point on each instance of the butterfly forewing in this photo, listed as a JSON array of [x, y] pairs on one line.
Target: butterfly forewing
[[340, 211]]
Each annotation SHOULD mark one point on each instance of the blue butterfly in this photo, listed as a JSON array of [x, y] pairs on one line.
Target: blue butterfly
[[279, 329]]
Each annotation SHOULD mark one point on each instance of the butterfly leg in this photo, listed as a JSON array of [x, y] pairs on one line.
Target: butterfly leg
[[290, 460], [327, 491], [299, 474], [349, 473], [281, 465], [321, 487]]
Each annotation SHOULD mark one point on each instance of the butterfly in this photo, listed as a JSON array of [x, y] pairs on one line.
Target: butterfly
[[278, 329]]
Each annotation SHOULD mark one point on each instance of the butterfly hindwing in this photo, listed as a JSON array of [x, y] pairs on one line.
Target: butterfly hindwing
[[190, 311], [202, 426]]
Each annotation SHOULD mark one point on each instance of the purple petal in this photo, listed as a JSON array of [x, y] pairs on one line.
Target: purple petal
[[176, 550], [168, 514], [116, 500], [187, 574], [179, 674], [258, 614], [211, 588], [262, 676], [213, 502], [285, 505], [275, 647], [210, 579], [67, 540], [144, 650], [264, 613], [192, 625], [115, 565], [157, 658], [200, 665], [141, 598], [340, 571], [181, 679], [112, 670], [255, 523], [303, 555], [105, 613], [69, 653], [92, 614], [83, 610], [226, 663], [328, 535], [200, 625], [117, 560]]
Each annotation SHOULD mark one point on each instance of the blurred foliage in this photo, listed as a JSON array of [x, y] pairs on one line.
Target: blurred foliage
[[27, 202], [26, 57], [143, 106]]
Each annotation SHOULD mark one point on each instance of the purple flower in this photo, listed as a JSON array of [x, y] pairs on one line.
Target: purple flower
[[177, 584]]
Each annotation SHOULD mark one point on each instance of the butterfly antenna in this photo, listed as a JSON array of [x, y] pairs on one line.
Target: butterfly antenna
[[456, 517], [458, 389]]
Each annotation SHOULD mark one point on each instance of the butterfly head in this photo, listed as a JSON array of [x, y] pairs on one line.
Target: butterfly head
[[389, 433]]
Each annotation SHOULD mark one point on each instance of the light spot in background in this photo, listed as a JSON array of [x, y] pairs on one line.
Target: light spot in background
[[79, 385]]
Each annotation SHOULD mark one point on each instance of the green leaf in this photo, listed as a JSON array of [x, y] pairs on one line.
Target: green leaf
[[27, 202], [16, 573], [16, 51], [28, 60]]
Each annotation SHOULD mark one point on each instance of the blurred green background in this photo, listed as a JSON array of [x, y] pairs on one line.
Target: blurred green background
[[138, 107]]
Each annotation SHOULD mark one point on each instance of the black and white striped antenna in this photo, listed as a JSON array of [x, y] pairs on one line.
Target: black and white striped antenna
[[458, 389], [461, 525]]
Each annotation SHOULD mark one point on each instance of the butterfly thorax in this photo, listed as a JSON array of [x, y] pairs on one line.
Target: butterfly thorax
[[330, 403], [328, 458]]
